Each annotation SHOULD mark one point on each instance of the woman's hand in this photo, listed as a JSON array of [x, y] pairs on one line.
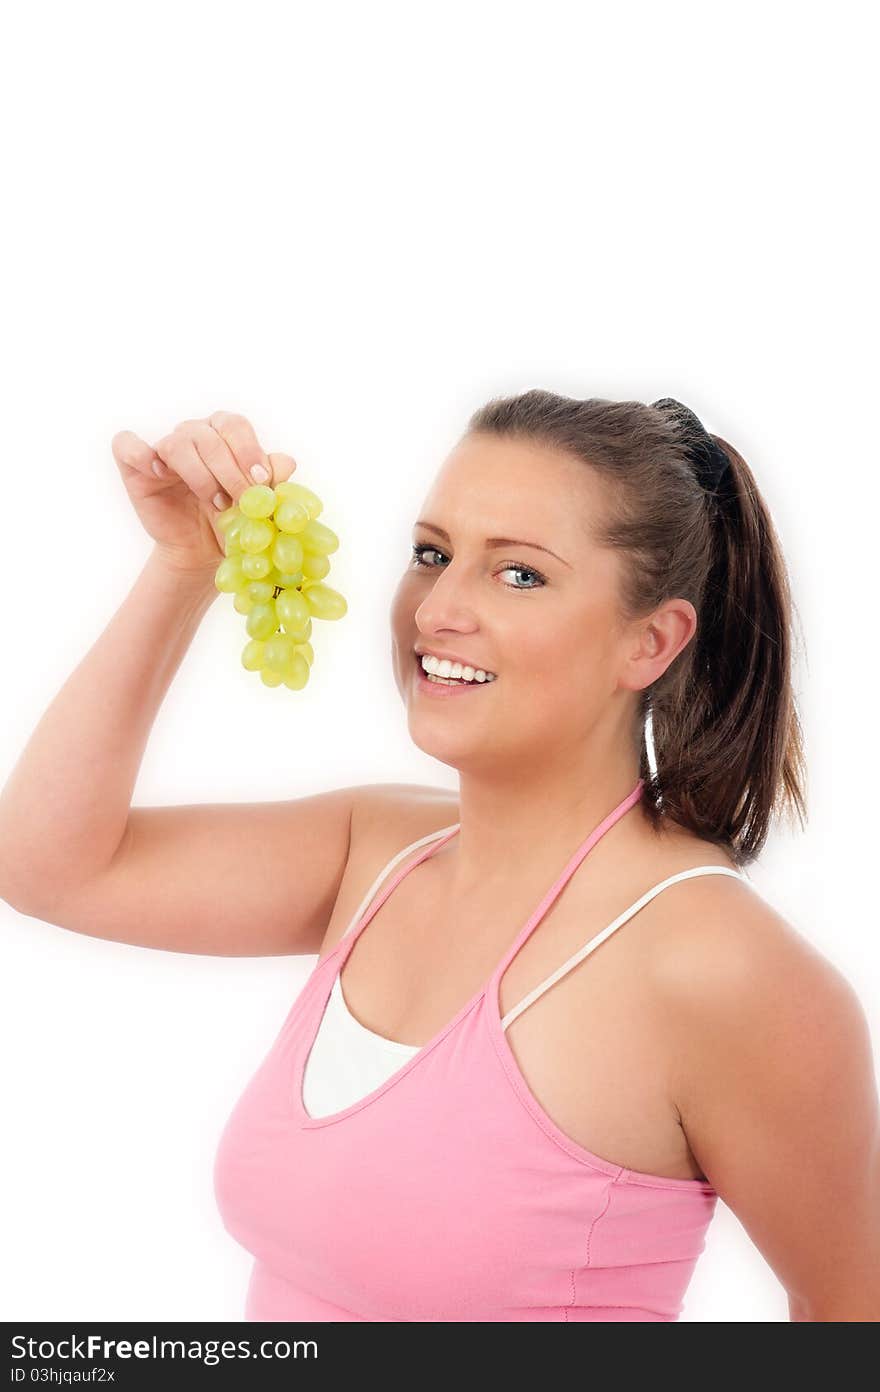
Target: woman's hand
[[179, 487]]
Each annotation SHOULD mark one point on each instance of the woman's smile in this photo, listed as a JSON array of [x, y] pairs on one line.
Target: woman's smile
[[429, 685]]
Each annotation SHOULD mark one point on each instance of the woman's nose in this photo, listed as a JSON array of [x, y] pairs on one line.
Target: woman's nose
[[448, 599]]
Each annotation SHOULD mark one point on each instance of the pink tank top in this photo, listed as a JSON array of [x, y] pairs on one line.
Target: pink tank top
[[447, 1192]]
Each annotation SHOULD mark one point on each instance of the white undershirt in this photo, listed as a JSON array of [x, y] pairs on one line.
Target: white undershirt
[[347, 1061]]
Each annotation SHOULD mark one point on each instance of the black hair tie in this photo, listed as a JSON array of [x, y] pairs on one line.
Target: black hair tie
[[710, 461]]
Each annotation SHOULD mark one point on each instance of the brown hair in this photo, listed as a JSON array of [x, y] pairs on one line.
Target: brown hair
[[727, 737]]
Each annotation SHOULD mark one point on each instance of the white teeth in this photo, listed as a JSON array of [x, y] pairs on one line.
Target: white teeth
[[454, 670]]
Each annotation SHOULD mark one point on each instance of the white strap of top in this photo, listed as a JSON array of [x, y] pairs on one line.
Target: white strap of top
[[395, 860], [606, 932]]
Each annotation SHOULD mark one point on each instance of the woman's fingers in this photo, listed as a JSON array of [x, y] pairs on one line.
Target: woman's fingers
[[214, 465], [282, 465], [220, 461], [241, 439], [179, 453], [131, 452], [215, 458]]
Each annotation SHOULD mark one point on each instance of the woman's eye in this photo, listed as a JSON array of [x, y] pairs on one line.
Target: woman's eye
[[420, 551]]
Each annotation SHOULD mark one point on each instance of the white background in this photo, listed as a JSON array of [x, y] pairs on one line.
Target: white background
[[355, 223]]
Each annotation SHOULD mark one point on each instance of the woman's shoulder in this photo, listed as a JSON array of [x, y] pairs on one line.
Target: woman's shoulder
[[734, 980], [731, 943], [771, 1050], [714, 932], [387, 817]]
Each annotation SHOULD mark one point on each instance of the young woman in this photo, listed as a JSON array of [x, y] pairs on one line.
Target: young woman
[[551, 1021]]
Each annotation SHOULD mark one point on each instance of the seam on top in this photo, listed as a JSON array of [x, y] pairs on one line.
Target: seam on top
[[597, 1217], [696, 1186]]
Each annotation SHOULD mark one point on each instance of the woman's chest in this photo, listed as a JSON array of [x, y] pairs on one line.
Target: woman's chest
[[591, 1047]]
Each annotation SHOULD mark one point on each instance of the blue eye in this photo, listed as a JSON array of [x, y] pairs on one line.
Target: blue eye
[[419, 550]]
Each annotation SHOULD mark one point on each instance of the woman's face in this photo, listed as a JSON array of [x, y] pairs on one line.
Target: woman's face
[[546, 624]]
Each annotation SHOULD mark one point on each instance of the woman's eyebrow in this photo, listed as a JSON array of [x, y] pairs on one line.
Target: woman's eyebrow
[[494, 541]]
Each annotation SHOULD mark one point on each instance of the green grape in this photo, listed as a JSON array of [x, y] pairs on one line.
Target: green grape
[[315, 567], [260, 591], [298, 673], [287, 553], [317, 537], [257, 534], [257, 567], [270, 677], [291, 516], [307, 651], [228, 576], [232, 536], [242, 603], [252, 655], [262, 620], [325, 602], [299, 494], [234, 526], [227, 517], [292, 608], [288, 582], [258, 501], [279, 651]]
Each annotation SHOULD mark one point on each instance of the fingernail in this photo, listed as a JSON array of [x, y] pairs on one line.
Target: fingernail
[[219, 501], [159, 468], [258, 473]]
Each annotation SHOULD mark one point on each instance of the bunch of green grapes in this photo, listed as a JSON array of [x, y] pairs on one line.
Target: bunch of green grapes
[[275, 564]]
